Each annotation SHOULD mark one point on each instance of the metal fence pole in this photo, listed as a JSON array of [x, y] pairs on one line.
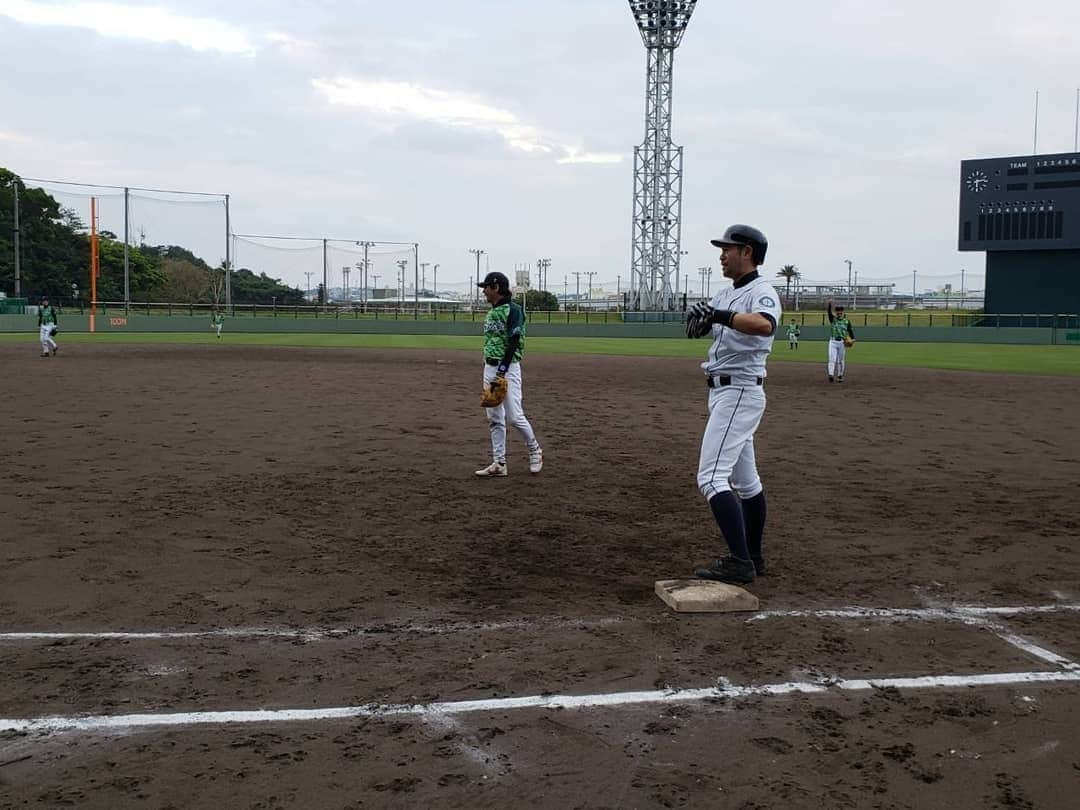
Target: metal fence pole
[[228, 258], [15, 235], [127, 266]]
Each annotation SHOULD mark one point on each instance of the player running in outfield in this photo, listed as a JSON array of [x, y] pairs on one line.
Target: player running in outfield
[[793, 335], [841, 335], [48, 326], [504, 343], [217, 320], [742, 322]]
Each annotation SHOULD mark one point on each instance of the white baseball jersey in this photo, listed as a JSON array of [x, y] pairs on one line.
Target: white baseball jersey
[[738, 354]]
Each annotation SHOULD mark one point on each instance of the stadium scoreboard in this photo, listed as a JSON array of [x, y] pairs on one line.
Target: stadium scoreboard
[[1020, 203]]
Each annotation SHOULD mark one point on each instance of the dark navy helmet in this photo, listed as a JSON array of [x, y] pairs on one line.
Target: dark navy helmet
[[744, 235]]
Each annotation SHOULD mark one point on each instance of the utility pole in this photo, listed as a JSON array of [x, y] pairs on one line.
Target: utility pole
[[476, 290], [577, 293], [18, 265], [701, 274], [855, 290], [423, 274], [848, 262], [914, 277], [435, 283], [309, 274], [402, 263], [565, 284], [708, 282], [375, 284], [325, 274], [962, 295], [345, 282], [590, 274]]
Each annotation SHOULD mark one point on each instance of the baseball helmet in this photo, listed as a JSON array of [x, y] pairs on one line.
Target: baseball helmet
[[744, 235]]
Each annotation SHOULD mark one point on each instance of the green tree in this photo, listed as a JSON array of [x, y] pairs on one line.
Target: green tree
[[789, 272], [541, 300], [54, 255], [248, 288], [145, 275], [185, 282]]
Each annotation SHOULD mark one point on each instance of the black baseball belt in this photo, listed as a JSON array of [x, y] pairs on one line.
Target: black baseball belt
[[722, 380]]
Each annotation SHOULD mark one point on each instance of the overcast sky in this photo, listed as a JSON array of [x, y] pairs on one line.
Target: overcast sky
[[509, 125]]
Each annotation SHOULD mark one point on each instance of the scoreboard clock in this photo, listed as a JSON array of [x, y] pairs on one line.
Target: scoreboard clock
[[1020, 203]]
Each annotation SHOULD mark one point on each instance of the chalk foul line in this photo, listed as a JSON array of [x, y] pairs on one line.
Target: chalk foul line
[[723, 691]]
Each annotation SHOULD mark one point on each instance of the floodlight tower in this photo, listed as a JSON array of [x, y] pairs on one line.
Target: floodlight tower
[[658, 172]]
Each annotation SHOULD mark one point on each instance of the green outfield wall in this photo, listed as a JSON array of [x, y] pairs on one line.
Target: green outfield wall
[[407, 326]]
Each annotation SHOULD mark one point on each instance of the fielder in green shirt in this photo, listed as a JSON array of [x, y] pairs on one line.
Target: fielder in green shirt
[[48, 326], [841, 336], [504, 344]]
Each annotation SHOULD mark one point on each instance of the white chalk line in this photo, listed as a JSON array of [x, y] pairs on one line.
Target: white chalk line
[[953, 613], [313, 633], [723, 691]]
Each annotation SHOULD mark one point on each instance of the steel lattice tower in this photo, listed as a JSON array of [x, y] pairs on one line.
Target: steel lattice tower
[[658, 163]]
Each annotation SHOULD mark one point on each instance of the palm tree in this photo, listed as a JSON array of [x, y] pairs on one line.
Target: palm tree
[[789, 272]]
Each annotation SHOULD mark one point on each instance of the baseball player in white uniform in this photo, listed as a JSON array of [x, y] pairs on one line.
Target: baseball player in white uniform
[[742, 322]]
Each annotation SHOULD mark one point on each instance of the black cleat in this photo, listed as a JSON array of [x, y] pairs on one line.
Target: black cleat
[[759, 566], [830, 378], [728, 569], [840, 379]]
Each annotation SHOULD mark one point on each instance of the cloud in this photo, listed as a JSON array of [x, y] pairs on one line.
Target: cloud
[[408, 101], [150, 24]]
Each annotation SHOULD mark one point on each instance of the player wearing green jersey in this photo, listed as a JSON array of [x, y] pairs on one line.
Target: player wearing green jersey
[[793, 335], [841, 336], [48, 325], [217, 320], [504, 342]]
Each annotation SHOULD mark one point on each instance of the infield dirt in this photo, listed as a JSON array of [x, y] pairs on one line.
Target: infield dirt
[[202, 488]]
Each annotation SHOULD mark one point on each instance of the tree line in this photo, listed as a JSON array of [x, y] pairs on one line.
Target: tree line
[[54, 255]]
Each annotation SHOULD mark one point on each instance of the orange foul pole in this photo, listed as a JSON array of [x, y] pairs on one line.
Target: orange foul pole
[[94, 267]]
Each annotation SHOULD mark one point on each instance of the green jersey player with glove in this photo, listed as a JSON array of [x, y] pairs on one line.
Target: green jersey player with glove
[[504, 343]]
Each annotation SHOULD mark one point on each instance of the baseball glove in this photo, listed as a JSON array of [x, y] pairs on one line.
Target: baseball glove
[[849, 342], [494, 393], [699, 320], [54, 330]]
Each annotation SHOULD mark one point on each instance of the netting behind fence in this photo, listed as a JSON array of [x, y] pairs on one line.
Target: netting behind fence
[[390, 272]]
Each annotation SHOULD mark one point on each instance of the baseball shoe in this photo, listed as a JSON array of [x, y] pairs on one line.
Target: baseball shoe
[[55, 350], [759, 566], [830, 378], [46, 354], [536, 461], [729, 569], [494, 470], [840, 378]]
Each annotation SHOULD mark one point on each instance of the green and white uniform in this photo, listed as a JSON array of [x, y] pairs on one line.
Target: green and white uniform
[[504, 344], [793, 335], [839, 328], [217, 321], [46, 321]]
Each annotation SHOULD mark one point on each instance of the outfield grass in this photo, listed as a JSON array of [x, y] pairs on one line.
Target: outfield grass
[[1058, 360]]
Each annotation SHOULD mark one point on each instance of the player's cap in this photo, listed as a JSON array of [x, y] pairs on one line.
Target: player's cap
[[839, 307], [495, 280], [744, 235]]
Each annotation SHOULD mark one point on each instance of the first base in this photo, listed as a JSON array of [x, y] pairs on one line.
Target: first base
[[704, 596]]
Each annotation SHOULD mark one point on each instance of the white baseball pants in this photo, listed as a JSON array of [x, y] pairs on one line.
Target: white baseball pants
[[837, 357], [509, 411], [47, 342], [727, 449]]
